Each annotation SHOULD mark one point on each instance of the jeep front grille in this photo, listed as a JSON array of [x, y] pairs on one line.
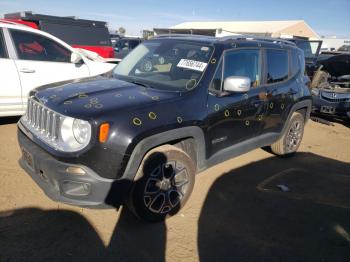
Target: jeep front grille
[[41, 120]]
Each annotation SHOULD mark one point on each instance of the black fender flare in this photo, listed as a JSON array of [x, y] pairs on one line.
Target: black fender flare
[[304, 104], [153, 141]]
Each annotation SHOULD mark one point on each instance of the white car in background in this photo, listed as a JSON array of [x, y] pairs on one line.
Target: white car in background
[[30, 58]]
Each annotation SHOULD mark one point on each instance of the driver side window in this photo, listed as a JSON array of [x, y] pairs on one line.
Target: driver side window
[[244, 62]]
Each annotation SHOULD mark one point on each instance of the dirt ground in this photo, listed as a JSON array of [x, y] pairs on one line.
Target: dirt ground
[[236, 212]]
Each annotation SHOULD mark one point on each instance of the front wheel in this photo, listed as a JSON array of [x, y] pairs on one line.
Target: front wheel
[[290, 141], [163, 184]]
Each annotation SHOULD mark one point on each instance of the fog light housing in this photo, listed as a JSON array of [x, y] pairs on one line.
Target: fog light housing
[[75, 170], [74, 188]]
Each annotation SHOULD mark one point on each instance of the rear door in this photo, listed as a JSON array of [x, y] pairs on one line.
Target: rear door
[[41, 60], [10, 87], [281, 89]]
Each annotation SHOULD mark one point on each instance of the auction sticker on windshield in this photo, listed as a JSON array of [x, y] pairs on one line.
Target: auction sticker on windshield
[[192, 64]]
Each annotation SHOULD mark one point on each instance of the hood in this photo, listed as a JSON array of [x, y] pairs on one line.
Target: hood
[[337, 65], [88, 98]]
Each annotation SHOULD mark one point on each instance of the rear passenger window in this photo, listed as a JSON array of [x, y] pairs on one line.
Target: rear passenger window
[[294, 62], [30, 46], [277, 65], [2, 46]]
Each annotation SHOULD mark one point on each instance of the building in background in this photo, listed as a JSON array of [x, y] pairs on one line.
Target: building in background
[[333, 43], [285, 29]]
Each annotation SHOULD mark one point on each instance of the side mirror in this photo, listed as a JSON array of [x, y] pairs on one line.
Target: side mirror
[[75, 58], [239, 84]]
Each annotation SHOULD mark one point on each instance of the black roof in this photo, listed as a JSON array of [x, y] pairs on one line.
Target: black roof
[[229, 39]]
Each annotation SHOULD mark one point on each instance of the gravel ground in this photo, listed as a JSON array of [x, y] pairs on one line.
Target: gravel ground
[[236, 212]]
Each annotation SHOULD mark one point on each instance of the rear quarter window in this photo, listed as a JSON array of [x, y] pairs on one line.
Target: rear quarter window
[[277, 65], [294, 62]]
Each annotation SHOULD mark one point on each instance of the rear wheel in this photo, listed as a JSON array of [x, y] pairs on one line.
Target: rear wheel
[[162, 184], [290, 141]]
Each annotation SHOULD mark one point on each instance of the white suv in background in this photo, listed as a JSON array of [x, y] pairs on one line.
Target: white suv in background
[[30, 58]]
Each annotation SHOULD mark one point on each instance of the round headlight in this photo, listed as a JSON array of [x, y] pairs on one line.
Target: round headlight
[[81, 131], [75, 134]]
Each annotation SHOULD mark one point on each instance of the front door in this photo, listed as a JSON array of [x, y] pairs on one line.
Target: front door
[[10, 89], [235, 117]]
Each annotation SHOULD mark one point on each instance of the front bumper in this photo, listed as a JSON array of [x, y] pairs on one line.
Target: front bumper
[[338, 109], [59, 184]]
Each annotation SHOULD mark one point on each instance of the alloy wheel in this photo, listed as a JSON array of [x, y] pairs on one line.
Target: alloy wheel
[[294, 136], [166, 186]]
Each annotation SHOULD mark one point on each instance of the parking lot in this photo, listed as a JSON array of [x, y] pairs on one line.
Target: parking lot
[[236, 211]]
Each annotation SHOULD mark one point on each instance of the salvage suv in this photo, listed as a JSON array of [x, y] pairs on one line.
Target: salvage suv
[[175, 106]]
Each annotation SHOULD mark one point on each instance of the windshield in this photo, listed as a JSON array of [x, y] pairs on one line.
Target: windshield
[[344, 48], [167, 64], [310, 48]]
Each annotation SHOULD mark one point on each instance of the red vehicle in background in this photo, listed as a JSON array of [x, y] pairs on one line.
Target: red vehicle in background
[[79, 33]]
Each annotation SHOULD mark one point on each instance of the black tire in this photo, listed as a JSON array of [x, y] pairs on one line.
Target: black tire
[[290, 141], [163, 184]]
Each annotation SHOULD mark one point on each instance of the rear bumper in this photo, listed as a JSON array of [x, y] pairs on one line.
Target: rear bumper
[[60, 184]]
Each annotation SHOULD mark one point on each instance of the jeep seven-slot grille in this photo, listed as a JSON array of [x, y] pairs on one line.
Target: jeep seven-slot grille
[[42, 120]]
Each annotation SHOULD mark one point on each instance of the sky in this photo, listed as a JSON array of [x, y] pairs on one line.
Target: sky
[[326, 17]]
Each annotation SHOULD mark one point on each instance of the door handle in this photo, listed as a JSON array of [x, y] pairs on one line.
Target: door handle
[[27, 70]]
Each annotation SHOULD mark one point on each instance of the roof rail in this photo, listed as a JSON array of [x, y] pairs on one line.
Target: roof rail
[[258, 38], [232, 37], [182, 35]]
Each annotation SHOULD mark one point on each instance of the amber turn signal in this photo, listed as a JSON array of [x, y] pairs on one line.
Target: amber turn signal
[[104, 129]]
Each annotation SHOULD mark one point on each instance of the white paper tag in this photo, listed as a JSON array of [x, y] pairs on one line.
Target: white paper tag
[[192, 64]]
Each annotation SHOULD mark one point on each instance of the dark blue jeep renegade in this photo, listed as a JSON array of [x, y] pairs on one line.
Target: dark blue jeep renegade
[[173, 107]]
